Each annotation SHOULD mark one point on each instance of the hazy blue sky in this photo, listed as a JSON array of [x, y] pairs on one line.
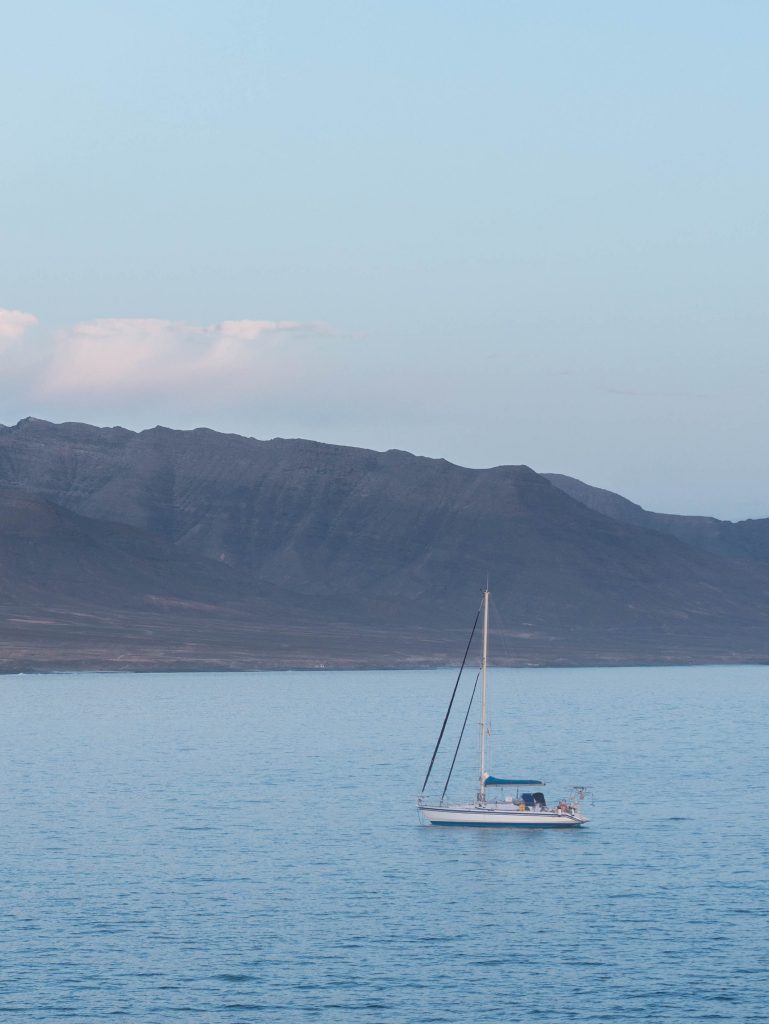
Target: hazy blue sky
[[495, 232]]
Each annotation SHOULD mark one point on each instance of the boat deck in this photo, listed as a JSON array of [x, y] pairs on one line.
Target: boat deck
[[500, 814]]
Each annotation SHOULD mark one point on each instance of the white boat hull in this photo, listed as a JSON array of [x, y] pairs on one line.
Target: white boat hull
[[499, 815]]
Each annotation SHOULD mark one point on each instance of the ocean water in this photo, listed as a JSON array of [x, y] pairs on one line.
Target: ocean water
[[245, 847]]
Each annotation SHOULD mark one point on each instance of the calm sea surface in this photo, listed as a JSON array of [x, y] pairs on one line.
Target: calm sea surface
[[245, 847]]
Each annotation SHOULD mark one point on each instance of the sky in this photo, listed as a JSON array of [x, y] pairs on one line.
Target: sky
[[498, 232]]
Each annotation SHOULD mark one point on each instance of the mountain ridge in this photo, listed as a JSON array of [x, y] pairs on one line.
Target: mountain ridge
[[747, 538], [289, 553]]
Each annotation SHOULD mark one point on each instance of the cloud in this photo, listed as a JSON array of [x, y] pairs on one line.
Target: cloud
[[123, 357], [234, 374], [13, 323]]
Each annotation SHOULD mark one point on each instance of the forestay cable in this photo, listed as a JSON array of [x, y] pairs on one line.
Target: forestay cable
[[459, 741], [451, 702]]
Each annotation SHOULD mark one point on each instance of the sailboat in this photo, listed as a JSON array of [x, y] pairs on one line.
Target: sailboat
[[521, 808]]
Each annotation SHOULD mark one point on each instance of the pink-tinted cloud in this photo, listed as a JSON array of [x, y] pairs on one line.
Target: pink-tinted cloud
[[127, 356], [13, 323]]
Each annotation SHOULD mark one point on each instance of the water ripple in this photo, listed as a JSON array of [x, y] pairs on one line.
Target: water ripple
[[243, 848]]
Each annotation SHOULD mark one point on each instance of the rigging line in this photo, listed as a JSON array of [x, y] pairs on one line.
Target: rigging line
[[453, 695], [467, 715]]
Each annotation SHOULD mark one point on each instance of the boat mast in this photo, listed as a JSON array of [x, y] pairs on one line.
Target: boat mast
[[484, 659]]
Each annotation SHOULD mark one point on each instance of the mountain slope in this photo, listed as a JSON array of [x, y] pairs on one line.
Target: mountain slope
[[83, 593], [747, 539], [318, 553]]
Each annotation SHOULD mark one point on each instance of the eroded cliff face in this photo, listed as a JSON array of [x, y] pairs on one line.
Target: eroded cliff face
[[198, 549]]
